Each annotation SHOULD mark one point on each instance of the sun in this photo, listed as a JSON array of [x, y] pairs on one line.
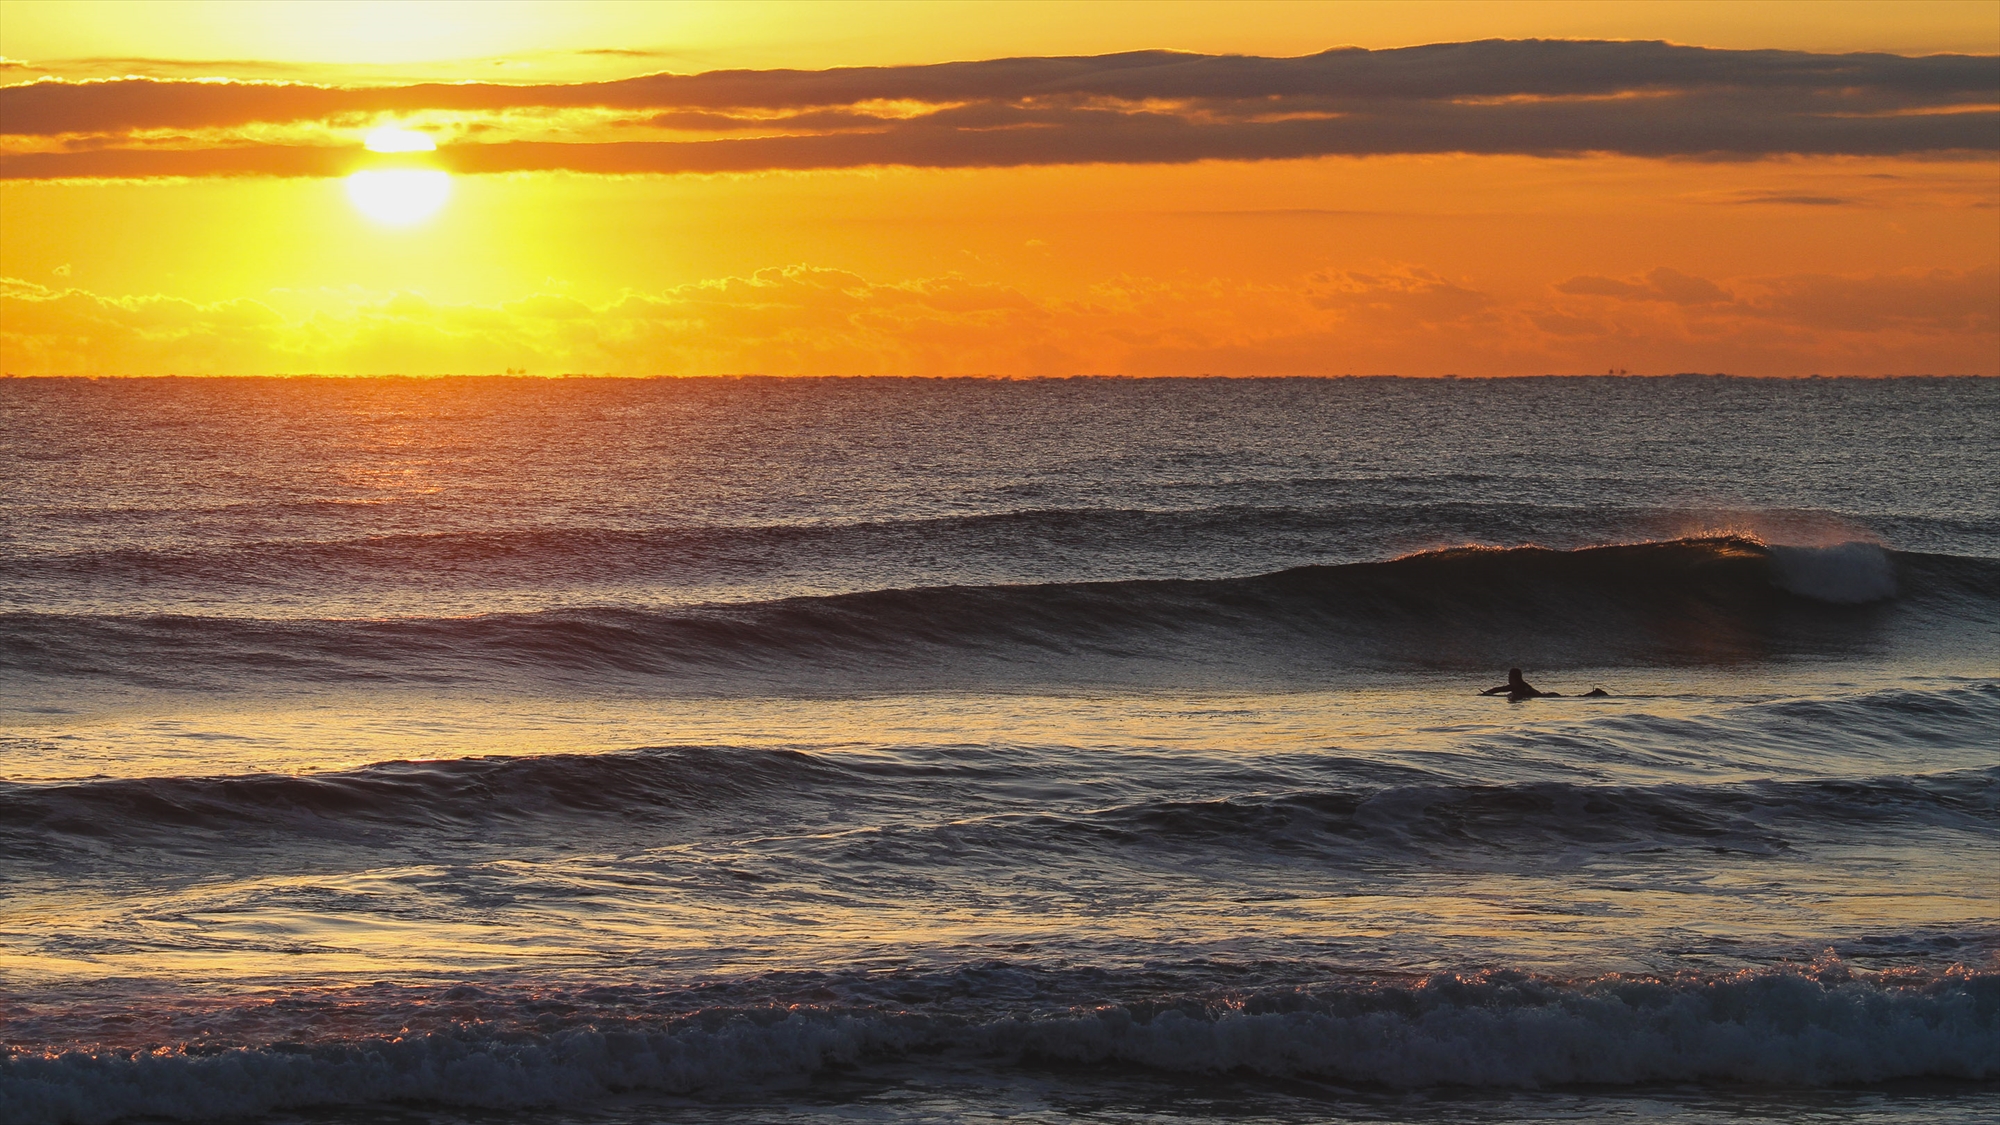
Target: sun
[[391, 139], [399, 196]]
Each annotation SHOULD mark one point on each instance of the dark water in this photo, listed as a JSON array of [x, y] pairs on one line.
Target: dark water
[[906, 750]]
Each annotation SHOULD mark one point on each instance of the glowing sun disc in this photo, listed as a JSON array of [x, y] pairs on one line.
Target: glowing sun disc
[[399, 196], [399, 140]]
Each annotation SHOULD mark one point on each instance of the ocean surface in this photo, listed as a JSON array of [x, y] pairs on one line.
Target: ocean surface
[[560, 751]]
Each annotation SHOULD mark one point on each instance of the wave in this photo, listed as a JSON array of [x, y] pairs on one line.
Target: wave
[[1036, 538], [1800, 1026], [404, 794], [1364, 812], [1520, 820], [1844, 574], [1031, 544], [1717, 599]]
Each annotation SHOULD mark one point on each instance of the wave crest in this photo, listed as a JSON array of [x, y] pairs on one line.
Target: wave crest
[[1714, 599], [1793, 1027]]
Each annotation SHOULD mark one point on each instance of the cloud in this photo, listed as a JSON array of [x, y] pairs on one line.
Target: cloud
[[1391, 317], [1406, 294], [796, 320], [1532, 97], [1927, 302], [1662, 284], [62, 331], [1930, 302], [1793, 199]]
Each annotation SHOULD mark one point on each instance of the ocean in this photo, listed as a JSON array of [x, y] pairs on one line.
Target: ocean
[[893, 750]]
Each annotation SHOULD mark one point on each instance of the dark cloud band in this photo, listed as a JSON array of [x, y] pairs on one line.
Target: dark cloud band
[[1533, 97]]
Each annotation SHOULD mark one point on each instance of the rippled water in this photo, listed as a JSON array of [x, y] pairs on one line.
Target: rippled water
[[477, 750]]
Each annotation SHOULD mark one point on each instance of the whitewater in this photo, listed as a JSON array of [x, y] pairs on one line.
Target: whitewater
[[593, 750]]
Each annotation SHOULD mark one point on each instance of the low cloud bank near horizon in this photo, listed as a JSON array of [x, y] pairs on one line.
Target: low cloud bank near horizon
[[1532, 97], [1395, 318]]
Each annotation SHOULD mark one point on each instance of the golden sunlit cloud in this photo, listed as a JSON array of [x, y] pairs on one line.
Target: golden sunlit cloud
[[1393, 317]]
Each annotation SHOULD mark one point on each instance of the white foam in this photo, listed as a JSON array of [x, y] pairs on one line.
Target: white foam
[[1851, 573], [1500, 1030]]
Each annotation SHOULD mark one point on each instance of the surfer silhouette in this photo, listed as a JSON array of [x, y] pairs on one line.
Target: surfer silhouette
[[1518, 688]]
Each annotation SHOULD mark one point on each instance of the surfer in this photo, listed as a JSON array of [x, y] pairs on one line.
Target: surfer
[[1518, 688]]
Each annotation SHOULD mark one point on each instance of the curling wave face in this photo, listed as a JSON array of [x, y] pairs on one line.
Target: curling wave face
[[1697, 600]]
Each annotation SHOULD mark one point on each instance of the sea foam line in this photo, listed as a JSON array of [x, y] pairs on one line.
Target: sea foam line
[[1497, 1029]]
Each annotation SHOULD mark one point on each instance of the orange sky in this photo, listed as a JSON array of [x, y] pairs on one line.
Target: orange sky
[[991, 194]]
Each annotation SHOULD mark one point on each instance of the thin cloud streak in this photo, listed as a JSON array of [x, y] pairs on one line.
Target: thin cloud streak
[[1521, 97]]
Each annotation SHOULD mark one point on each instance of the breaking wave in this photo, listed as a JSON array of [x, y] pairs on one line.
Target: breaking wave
[[1687, 600], [1793, 1027], [1844, 574]]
